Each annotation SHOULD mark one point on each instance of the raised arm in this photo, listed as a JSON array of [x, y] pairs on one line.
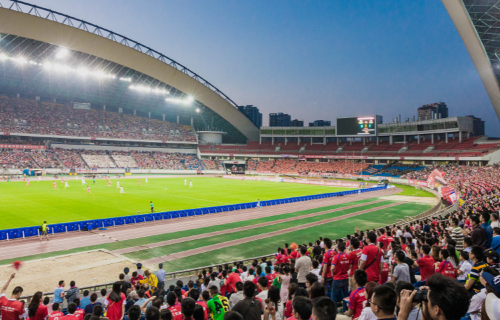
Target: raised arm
[[6, 285]]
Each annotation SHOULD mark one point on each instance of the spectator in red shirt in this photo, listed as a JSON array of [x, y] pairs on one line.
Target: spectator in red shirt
[[354, 260], [372, 258], [195, 295], [11, 309], [383, 239], [426, 264], [233, 278], [357, 298], [136, 278], [79, 313], [56, 312], [340, 267], [174, 307], [445, 267], [36, 310], [327, 262], [385, 274], [71, 310], [115, 303]]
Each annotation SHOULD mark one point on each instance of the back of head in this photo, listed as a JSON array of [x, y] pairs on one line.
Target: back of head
[[426, 249], [317, 290], [194, 294], [328, 243], [171, 298], [303, 250], [360, 277], [324, 309], [403, 285], [187, 307], [355, 243], [249, 289], [372, 237], [71, 308], [152, 313], [134, 312], [165, 314], [198, 313], [302, 306], [233, 315], [451, 296], [239, 286], [262, 282], [385, 299], [55, 306], [214, 290], [477, 252], [97, 310]]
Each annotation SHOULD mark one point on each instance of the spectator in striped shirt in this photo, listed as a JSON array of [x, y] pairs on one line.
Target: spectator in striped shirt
[[457, 234]]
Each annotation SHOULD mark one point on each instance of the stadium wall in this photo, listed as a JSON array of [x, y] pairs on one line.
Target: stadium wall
[[17, 233], [118, 171]]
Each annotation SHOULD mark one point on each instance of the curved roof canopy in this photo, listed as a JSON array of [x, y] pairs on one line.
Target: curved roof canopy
[[131, 76], [478, 23]]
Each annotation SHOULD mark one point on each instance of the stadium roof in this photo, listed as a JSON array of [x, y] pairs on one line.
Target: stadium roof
[[478, 23], [106, 68]]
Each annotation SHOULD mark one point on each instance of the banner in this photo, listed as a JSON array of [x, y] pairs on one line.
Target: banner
[[22, 146], [81, 106], [449, 194], [436, 180], [418, 182]]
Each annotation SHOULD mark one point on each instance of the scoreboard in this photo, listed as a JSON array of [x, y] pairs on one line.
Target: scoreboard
[[358, 126]]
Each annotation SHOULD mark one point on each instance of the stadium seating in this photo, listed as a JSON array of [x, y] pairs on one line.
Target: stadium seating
[[28, 116]]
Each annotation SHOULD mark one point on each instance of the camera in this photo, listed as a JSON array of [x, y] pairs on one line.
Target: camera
[[420, 296]]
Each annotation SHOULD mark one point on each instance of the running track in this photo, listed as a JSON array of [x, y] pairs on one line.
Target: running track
[[31, 246]]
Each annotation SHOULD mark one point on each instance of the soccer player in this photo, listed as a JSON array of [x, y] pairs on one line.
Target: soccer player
[[93, 180], [258, 204], [185, 182], [62, 180], [28, 183], [88, 189], [146, 180], [151, 205], [190, 183], [139, 182], [66, 184], [83, 181], [54, 185], [121, 190], [118, 184], [39, 177], [109, 182]]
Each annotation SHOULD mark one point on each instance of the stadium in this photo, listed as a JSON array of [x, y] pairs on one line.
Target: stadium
[[115, 159]]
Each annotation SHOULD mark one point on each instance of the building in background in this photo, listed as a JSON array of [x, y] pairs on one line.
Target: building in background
[[320, 123], [252, 113], [297, 123], [477, 126], [279, 119], [430, 111]]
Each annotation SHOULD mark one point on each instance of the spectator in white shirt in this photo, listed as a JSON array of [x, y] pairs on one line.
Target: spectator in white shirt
[[464, 268]]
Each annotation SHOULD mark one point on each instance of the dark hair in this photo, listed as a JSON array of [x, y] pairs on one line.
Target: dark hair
[[171, 298], [475, 219], [327, 242], [372, 237], [187, 307], [134, 312], [496, 230], [34, 304], [477, 252], [104, 292], [400, 255], [194, 293], [72, 283], [198, 313], [292, 288], [206, 296], [317, 290], [301, 292], [115, 294], [465, 255], [179, 283], [122, 276], [238, 285], [303, 250], [386, 298], [451, 296], [403, 285], [86, 293], [324, 309], [76, 301], [312, 278], [426, 249], [71, 308], [355, 243], [360, 277], [468, 241], [262, 281], [152, 313], [55, 306], [303, 307], [98, 310], [61, 282], [233, 315]]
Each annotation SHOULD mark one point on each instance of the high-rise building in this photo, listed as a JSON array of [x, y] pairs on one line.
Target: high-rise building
[[252, 113], [433, 111], [279, 119], [296, 123], [320, 123], [477, 126]]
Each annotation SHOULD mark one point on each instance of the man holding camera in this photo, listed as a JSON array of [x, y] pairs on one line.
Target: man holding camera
[[443, 299]]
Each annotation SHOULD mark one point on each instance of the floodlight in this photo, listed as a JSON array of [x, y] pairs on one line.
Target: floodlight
[[197, 110], [189, 99], [20, 60], [62, 53], [3, 57]]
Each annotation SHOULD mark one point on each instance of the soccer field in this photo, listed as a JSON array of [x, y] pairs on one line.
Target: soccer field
[[24, 206]]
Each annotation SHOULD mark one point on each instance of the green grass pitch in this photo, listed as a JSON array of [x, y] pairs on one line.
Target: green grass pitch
[[29, 206]]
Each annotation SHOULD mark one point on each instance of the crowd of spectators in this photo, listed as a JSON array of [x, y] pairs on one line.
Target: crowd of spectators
[[29, 116], [16, 160], [311, 168], [70, 158], [124, 159], [46, 159], [97, 159], [212, 165]]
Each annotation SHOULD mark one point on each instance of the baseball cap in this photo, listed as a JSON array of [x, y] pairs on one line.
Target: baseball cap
[[493, 255], [492, 306], [493, 281], [139, 265]]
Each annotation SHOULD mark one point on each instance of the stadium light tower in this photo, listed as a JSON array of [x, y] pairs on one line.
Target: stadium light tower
[[62, 53]]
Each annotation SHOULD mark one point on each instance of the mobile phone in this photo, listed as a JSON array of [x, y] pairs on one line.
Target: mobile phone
[[267, 301]]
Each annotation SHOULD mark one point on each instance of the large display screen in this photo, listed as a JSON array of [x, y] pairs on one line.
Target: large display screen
[[357, 126]]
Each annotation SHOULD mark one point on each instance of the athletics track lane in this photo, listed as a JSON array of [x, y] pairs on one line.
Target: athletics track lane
[[31, 246]]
